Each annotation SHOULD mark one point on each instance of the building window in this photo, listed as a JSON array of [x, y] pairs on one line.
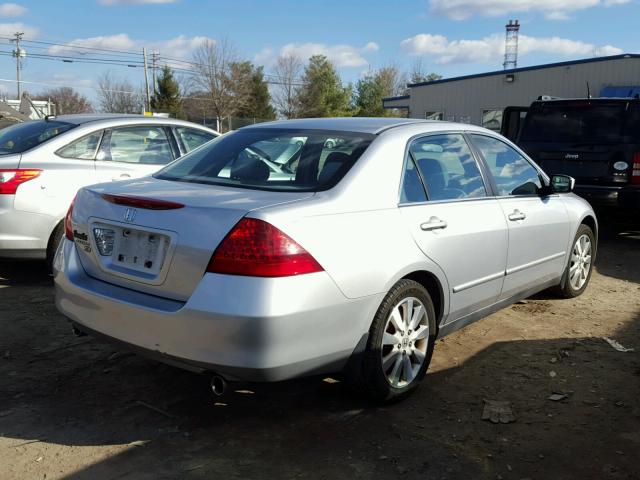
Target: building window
[[492, 119], [434, 115]]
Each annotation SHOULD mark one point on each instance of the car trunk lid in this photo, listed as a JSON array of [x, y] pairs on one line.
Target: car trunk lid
[[162, 233]]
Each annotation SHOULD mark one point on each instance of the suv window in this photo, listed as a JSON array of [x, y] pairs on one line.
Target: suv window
[[83, 148], [192, 138], [513, 173], [147, 145], [272, 158], [448, 167], [576, 122]]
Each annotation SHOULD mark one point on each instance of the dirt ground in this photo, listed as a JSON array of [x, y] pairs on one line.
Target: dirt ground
[[76, 408]]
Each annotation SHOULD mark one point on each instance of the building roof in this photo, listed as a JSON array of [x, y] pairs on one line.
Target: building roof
[[372, 125], [521, 69]]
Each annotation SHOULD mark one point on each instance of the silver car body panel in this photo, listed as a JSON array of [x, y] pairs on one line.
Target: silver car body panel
[[28, 218], [265, 328]]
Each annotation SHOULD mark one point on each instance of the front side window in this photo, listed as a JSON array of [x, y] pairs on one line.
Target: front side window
[[83, 148], [448, 167], [492, 119], [512, 173], [145, 145], [24, 136], [192, 138], [272, 159]]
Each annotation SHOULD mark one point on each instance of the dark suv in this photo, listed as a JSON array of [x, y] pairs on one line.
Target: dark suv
[[596, 141]]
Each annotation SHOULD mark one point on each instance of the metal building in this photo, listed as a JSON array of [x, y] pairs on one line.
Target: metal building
[[481, 98]]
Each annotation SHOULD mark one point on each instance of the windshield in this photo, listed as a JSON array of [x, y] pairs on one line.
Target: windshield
[[272, 159], [23, 136], [585, 122]]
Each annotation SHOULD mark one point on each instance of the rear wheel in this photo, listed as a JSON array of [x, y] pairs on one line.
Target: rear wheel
[[578, 270], [54, 241], [400, 343]]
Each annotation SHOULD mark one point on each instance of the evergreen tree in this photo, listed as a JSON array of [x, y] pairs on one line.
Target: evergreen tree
[[252, 91], [322, 94], [166, 97]]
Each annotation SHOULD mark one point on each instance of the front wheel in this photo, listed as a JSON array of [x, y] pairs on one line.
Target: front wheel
[[578, 270], [400, 343]]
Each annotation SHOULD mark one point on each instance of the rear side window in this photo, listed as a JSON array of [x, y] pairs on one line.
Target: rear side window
[[513, 173], [83, 148], [192, 138], [272, 159], [585, 122], [448, 167], [145, 145], [24, 136]]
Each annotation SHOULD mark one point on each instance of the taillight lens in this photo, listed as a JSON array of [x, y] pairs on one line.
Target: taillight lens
[[635, 174], [68, 227], [258, 249], [10, 180]]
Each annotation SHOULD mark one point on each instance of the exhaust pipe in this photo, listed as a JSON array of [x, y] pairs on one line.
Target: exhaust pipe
[[218, 385]]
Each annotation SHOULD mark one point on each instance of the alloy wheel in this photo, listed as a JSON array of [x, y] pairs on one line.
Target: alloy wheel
[[580, 262]]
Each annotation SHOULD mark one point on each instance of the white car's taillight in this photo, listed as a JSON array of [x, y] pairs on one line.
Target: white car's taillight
[[11, 179]]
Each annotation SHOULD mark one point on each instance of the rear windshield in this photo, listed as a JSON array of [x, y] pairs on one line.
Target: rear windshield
[[24, 136], [272, 159], [587, 122]]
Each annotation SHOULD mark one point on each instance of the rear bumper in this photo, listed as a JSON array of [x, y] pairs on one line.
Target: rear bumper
[[610, 196], [252, 329], [22, 234]]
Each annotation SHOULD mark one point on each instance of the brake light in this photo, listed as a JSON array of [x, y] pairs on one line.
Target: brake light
[[141, 202], [10, 180], [256, 248], [635, 174], [68, 227]]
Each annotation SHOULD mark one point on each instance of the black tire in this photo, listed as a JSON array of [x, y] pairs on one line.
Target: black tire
[[372, 380], [52, 246], [565, 289]]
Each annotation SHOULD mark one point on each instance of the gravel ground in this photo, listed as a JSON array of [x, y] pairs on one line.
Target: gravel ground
[[77, 408]]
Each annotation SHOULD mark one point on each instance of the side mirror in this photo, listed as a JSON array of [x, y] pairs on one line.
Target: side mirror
[[562, 184]]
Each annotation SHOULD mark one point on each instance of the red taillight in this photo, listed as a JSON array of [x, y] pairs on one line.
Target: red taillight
[[68, 227], [635, 174], [140, 202], [11, 179], [258, 249]]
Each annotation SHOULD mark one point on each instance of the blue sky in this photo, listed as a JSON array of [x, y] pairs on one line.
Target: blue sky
[[452, 37]]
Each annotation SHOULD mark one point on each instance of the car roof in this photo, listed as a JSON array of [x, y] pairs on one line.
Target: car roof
[[373, 125], [117, 118]]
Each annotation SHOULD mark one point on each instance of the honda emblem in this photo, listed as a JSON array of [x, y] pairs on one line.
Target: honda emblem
[[129, 214]]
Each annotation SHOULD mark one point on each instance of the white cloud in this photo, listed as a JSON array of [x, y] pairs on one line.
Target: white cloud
[[12, 10], [9, 29], [111, 3], [491, 49], [179, 47], [552, 9], [341, 55]]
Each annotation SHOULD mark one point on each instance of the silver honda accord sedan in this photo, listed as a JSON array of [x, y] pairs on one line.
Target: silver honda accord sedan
[[402, 232]]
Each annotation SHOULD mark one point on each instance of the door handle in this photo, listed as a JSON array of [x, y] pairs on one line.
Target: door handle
[[516, 215], [434, 223]]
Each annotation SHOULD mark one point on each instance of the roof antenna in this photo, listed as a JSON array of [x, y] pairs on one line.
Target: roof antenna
[[588, 91]]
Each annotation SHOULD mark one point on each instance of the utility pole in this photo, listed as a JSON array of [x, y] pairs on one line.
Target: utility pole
[[19, 54], [146, 78], [154, 60]]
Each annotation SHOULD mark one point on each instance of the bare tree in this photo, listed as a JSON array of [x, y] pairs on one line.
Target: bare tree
[[393, 81], [419, 74], [215, 76], [66, 100], [288, 71], [118, 95]]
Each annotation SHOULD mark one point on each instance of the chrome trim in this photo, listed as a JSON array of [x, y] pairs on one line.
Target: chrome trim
[[478, 281], [524, 266]]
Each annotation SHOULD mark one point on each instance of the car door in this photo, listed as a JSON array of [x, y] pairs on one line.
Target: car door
[[133, 151], [448, 208], [539, 227]]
